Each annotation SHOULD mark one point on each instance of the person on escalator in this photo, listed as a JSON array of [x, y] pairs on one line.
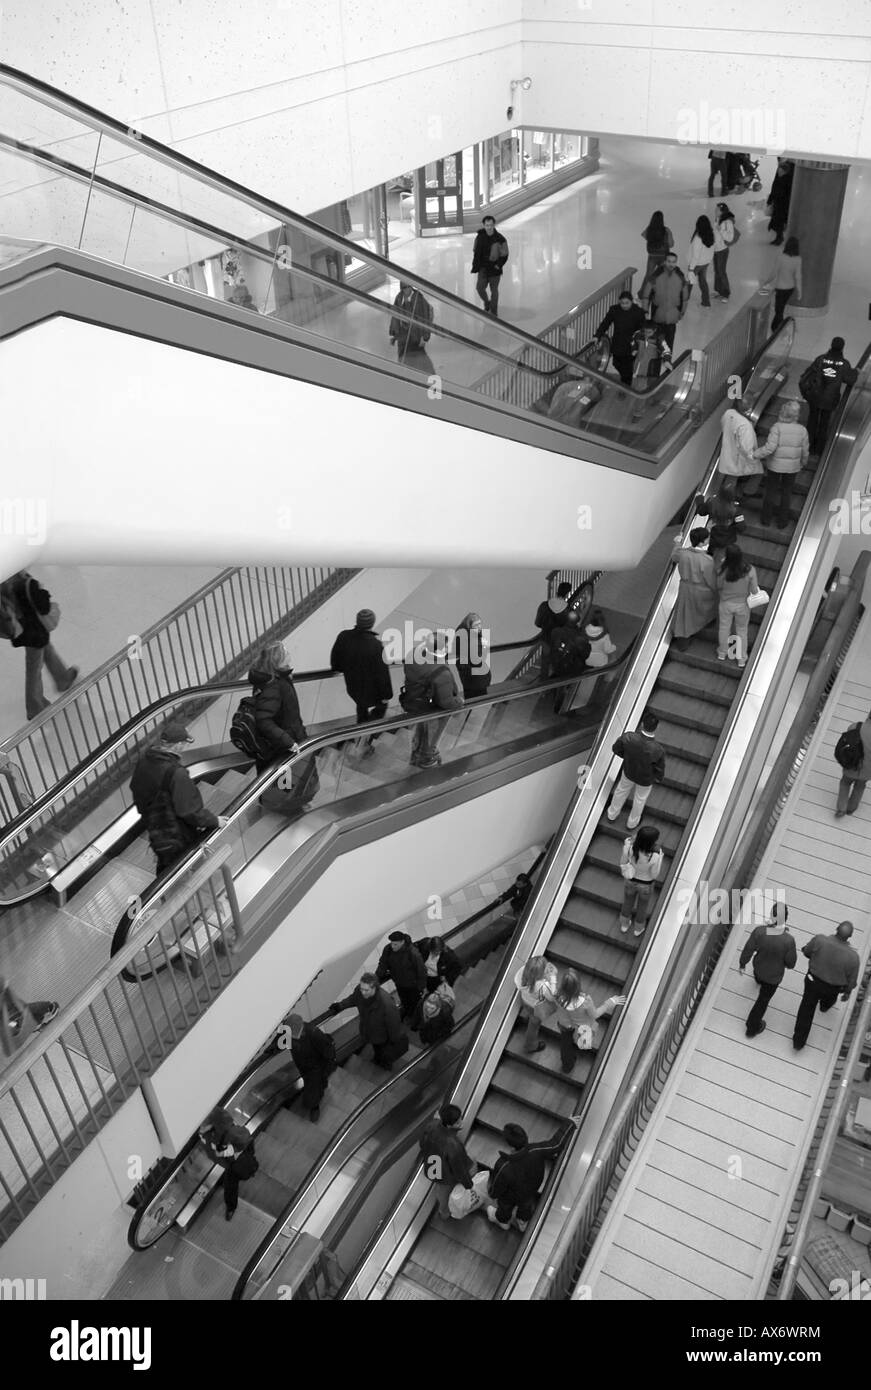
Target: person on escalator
[[569, 650], [380, 1023], [643, 765], [621, 323], [668, 293], [168, 800], [576, 1016], [439, 962], [429, 686], [549, 614], [738, 446], [410, 328], [821, 384], [359, 655], [232, 1148], [314, 1055], [725, 516], [444, 1157], [402, 963], [434, 1019], [698, 597], [280, 730], [736, 581], [519, 1172], [785, 453]]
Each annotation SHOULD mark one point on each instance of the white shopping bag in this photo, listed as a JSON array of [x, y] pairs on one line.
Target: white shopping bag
[[464, 1200]]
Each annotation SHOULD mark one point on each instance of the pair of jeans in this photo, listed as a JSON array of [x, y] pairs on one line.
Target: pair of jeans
[[34, 660], [818, 428], [701, 274], [721, 279], [568, 1048], [533, 1028], [487, 282], [775, 483], [734, 610], [815, 992], [763, 999], [718, 166], [781, 299], [636, 903], [639, 799], [850, 793], [425, 742]]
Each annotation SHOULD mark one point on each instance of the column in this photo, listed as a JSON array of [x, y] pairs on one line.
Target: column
[[815, 206]]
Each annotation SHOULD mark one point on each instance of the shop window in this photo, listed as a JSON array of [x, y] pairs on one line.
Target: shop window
[[504, 163], [537, 154], [568, 149]]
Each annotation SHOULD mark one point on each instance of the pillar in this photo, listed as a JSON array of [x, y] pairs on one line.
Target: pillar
[[818, 190]]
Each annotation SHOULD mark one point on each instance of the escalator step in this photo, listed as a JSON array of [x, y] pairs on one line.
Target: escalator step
[[541, 1091], [681, 742], [405, 1289], [681, 775], [475, 1275], [547, 1061], [701, 655], [610, 961], [498, 1111], [584, 919], [683, 678], [758, 542], [688, 711], [669, 810], [600, 886], [477, 1234]]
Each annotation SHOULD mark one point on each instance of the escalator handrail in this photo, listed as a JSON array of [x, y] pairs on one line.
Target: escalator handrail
[[137, 141], [13, 829]]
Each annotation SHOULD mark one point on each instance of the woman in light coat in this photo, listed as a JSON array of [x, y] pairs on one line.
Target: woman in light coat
[[702, 249], [537, 986], [640, 865], [601, 651], [786, 280], [573, 1008], [785, 452], [736, 580], [738, 445], [698, 597]]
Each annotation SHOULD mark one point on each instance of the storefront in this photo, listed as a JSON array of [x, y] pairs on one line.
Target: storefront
[[513, 170]]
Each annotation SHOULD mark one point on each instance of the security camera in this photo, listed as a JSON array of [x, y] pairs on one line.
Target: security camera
[[509, 115], [526, 83]]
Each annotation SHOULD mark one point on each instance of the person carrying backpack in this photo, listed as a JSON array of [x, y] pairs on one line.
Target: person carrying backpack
[[27, 619], [429, 685], [412, 332], [168, 800], [821, 384], [232, 1148], [853, 754]]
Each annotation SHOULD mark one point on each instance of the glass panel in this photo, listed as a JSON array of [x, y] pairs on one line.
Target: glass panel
[[567, 149], [469, 177], [449, 203], [537, 154], [504, 154], [449, 177]]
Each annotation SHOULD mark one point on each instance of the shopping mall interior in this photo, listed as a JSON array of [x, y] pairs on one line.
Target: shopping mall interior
[[263, 386]]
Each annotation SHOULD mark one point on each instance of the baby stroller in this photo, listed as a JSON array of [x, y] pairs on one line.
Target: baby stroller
[[746, 179]]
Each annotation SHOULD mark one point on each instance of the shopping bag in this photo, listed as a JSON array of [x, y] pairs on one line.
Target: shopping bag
[[464, 1200], [757, 600], [585, 1037]]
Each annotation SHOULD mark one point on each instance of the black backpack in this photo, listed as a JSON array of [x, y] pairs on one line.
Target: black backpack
[[848, 749], [246, 1165], [10, 619], [810, 383], [244, 732]]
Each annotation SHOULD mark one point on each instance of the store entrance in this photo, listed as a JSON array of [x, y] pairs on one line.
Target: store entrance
[[440, 194]]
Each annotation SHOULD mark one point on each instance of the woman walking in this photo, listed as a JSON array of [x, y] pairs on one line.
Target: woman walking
[[725, 235], [537, 985], [659, 242], [698, 597], [736, 581], [785, 452], [701, 256], [786, 280], [574, 1009], [640, 865]]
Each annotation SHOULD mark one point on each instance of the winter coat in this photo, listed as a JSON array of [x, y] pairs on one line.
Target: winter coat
[[786, 448], [411, 336], [622, 325], [601, 646], [147, 781], [697, 597], [550, 614], [313, 1051], [643, 758], [772, 952], [446, 966], [404, 967], [737, 446], [379, 1017], [862, 771], [669, 293], [569, 649], [517, 1177], [726, 518], [29, 599], [482, 253], [359, 655], [836, 372], [437, 1141], [276, 712], [645, 869], [429, 685], [435, 1027], [700, 254], [737, 588]]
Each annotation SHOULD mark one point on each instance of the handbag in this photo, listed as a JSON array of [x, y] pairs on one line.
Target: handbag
[[50, 619], [584, 1037], [757, 600]]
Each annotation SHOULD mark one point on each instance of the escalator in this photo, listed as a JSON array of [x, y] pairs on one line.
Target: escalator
[[415, 1253]]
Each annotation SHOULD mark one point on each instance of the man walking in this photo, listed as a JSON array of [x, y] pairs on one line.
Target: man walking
[[489, 255], [851, 787], [643, 764], [359, 656], [621, 323], [772, 949], [668, 295], [833, 969]]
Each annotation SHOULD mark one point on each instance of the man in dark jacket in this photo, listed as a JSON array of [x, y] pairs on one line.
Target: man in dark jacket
[[668, 293], [402, 963], [439, 962], [314, 1054], [29, 602], [168, 800], [518, 1174], [358, 654], [429, 686], [489, 255], [409, 330], [622, 322], [772, 949], [444, 1157], [827, 375], [232, 1148], [643, 764], [281, 730], [833, 969], [380, 1024], [550, 614], [569, 653]]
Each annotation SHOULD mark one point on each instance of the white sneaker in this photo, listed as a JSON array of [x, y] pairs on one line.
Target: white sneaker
[[612, 815], [633, 824], [491, 1216]]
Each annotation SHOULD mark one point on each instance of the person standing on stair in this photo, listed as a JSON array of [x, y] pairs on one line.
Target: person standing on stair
[[736, 581], [281, 730], [380, 1023], [833, 969], [698, 597], [640, 866], [785, 453], [232, 1148], [738, 446], [643, 764], [33, 618], [444, 1157], [621, 323], [536, 983], [168, 800], [359, 656], [314, 1055], [851, 787], [575, 1010], [725, 516], [402, 963], [489, 255], [821, 384], [439, 962], [519, 1173], [772, 950], [429, 686], [550, 614]]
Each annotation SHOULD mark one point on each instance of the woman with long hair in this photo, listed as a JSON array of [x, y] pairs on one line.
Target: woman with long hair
[[725, 236], [786, 280], [536, 983], [701, 255], [280, 729], [640, 865], [573, 1009], [659, 241], [472, 655], [736, 581]]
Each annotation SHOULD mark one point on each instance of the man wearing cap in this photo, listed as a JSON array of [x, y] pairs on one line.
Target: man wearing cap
[[359, 656], [833, 969], [168, 800], [402, 963]]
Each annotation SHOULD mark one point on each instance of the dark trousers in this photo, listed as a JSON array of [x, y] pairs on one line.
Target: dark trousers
[[668, 331], [409, 1000], [568, 1049], [314, 1085], [815, 992], [231, 1189], [718, 166], [763, 999], [721, 279], [488, 290], [818, 428], [777, 483], [624, 363], [505, 1209], [367, 713], [781, 299], [701, 274]]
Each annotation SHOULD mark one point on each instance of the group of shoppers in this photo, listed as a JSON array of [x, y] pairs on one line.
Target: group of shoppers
[[833, 971]]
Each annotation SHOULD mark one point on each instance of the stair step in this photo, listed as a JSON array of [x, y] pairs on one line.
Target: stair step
[[688, 711], [690, 744], [499, 1110], [553, 1095], [582, 914], [684, 678], [547, 1062], [600, 886], [668, 810], [702, 656], [611, 960]]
